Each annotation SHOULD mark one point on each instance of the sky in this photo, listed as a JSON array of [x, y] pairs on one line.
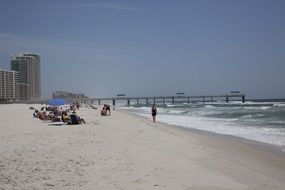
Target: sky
[[150, 47]]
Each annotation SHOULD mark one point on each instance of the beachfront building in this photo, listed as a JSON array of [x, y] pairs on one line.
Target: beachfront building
[[28, 66], [9, 85], [69, 96]]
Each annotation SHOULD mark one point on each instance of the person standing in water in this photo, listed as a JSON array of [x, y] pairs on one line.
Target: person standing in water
[[153, 112]]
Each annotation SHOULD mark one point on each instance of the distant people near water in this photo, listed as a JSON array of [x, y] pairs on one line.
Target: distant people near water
[[153, 112], [106, 110]]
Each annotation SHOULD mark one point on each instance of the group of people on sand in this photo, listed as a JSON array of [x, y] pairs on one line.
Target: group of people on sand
[[74, 106], [54, 114], [72, 119], [106, 110]]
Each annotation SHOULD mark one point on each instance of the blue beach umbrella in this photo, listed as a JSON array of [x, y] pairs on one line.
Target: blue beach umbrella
[[56, 102]]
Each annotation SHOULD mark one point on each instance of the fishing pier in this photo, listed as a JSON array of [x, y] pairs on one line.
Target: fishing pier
[[171, 99]]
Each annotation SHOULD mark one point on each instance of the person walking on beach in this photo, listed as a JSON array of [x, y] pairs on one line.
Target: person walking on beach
[[153, 112]]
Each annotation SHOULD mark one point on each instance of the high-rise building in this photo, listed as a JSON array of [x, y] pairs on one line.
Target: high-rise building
[[29, 68], [9, 85]]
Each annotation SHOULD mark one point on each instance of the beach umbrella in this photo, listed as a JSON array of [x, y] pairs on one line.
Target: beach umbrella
[[56, 102]]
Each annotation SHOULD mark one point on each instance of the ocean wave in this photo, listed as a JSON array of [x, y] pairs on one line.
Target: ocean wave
[[260, 115], [246, 116], [176, 112], [256, 121], [209, 106], [279, 104], [175, 105], [273, 136], [258, 108]]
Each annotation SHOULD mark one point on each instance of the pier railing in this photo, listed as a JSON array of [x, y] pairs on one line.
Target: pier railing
[[208, 98]]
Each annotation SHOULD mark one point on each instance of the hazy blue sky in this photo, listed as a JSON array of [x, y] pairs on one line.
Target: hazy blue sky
[[151, 47]]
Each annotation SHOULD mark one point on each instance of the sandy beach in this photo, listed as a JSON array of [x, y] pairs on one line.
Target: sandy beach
[[127, 152]]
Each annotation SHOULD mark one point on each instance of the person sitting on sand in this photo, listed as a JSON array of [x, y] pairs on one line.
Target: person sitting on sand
[[64, 117], [93, 107], [74, 119], [54, 118], [36, 113], [77, 105], [42, 116], [104, 111], [108, 109]]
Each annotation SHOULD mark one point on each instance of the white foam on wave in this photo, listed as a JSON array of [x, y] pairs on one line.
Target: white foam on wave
[[264, 107], [209, 106], [170, 105], [248, 120], [260, 115], [246, 116], [221, 126], [176, 111], [258, 108], [279, 104]]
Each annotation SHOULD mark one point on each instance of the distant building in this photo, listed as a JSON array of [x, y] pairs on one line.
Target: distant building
[[68, 95], [29, 68], [9, 85]]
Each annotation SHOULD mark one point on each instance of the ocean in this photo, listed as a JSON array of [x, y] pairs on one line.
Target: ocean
[[262, 121]]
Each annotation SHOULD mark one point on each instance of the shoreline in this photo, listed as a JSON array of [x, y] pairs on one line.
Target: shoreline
[[276, 149], [226, 142], [128, 151], [270, 148]]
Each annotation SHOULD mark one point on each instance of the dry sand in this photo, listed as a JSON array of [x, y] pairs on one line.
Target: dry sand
[[127, 152]]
